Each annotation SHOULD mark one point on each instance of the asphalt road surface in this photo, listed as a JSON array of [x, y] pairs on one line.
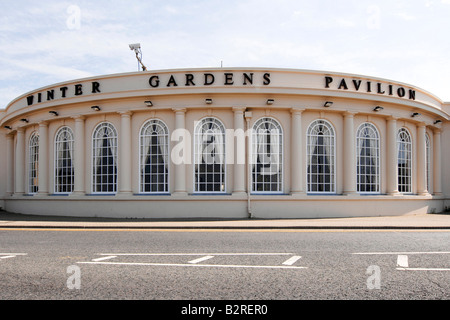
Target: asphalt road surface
[[224, 265]]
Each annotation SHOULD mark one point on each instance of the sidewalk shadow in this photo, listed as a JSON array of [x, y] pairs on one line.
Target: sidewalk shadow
[[9, 216]]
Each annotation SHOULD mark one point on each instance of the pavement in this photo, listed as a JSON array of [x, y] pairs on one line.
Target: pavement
[[410, 221]]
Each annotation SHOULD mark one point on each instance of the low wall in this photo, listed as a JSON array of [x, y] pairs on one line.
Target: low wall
[[226, 206]]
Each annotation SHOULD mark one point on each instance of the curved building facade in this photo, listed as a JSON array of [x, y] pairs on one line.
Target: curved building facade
[[225, 143]]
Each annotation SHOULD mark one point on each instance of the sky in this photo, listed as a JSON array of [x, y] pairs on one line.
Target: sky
[[47, 42]]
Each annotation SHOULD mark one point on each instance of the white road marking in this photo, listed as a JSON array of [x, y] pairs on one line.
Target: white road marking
[[397, 253], [425, 269], [198, 254], [402, 261], [195, 263], [191, 265], [201, 259], [104, 258], [291, 261], [11, 255]]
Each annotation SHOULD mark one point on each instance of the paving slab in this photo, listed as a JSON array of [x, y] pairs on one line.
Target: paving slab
[[411, 221]]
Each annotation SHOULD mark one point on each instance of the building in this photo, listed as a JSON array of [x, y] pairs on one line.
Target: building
[[225, 143]]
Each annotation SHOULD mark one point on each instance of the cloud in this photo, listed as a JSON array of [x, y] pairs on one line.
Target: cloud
[[41, 43], [406, 16]]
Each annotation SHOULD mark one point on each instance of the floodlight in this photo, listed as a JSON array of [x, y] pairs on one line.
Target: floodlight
[[136, 47], [378, 108]]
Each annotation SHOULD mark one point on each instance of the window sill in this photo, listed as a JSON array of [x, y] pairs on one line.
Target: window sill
[[152, 194], [209, 194]]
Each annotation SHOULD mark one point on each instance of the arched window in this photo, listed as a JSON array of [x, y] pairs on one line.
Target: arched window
[[267, 156], [33, 164], [428, 160], [154, 157], [209, 156], [320, 157], [404, 160], [64, 173], [104, 169], [368, 159]]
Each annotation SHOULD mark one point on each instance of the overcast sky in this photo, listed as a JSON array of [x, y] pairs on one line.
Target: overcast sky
[[46, 42]]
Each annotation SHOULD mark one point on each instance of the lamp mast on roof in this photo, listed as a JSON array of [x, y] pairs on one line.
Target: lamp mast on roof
[[137, 49]]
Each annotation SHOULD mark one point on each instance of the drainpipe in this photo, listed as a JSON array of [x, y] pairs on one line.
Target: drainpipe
[[248, 116]]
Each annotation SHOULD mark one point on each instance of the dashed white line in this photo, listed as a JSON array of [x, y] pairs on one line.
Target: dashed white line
[[11, 255], [191, 265], [196, 262], [291, 261], [397, 253], [199, 254], [201, 259], [402, 261], [425, 269], [104, 258]]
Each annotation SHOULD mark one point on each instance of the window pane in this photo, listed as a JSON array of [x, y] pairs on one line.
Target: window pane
[[368, 159], [64, 173], [33, 165], [154, 144], [105, 159], [209, 156], [404, 148], [267, 156], [320, 157]]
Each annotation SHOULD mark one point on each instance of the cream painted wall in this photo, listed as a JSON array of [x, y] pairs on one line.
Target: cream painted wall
[[289, 89], [3, 155], [445, 139]]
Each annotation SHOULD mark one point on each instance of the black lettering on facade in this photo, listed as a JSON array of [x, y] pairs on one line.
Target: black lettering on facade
[[95, 87], [154, 81], [63, 91], [343, 85], [266, 79], [248, 78], [50, 95], [30, 100], [190, 80], [209, 79], [78, 89], [381, 88], [357, 84], [228, 79], [172, 82]]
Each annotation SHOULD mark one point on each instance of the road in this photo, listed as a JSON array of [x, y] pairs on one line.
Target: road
[[224, 264]]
